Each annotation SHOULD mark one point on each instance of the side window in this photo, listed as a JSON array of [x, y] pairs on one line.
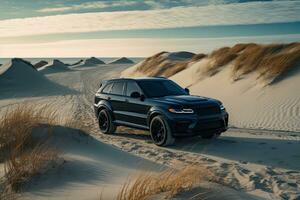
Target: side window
[[107, 88], [132, 87], [117, 88]]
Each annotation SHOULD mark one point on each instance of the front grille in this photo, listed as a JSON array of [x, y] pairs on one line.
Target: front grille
[[207, 110]]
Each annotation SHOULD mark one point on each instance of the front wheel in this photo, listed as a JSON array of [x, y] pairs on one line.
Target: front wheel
[[105, 122], [161, 132]]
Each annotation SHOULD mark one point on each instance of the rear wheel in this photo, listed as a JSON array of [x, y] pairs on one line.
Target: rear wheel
[[105, 122], [161, 132]]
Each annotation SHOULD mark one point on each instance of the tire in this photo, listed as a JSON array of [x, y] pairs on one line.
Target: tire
[[160, 132], [105, 122]]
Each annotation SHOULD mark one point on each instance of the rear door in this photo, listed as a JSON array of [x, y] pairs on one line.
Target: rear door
[[117, 99]]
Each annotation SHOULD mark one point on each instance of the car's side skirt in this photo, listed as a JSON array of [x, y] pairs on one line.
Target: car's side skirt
[[132, 125]]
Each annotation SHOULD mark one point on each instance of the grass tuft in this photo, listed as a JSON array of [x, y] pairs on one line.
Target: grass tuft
[[24, 153], [159, 65], [170, 182]]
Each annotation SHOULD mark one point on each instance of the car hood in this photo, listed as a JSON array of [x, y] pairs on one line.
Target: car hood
[[187, 99]]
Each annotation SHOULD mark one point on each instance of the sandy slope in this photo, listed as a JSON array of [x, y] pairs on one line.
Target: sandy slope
[[250, 104], [89, 167]]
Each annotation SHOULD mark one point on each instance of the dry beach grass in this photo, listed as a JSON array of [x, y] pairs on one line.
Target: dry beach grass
[[169, 182], [268, 61], [24, 155]]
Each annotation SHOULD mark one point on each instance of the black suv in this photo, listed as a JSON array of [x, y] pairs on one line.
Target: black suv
[[160, 106]]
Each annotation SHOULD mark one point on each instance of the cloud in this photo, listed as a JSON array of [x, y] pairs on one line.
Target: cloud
[[133, 5], [88, 5], [228, 14], [131, 47]]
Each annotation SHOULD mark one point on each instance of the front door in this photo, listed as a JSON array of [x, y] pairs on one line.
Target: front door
[[137, 109]]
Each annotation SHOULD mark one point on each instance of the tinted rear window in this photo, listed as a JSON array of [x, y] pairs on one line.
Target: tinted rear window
[[118, 88], [107, 88], [132, 87]]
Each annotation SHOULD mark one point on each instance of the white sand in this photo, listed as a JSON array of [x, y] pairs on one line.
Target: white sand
[[90, 167]]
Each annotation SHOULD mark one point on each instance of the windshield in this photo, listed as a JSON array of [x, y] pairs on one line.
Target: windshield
[[160, 88]]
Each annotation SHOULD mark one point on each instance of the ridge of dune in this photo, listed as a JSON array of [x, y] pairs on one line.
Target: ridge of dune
[[122, 60], [54, 66], [163, 64], [271, 63]]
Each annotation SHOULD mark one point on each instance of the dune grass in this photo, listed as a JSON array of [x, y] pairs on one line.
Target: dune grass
[[220, 58], [24, 155], [169, 182], [268, 61], [159, 65]]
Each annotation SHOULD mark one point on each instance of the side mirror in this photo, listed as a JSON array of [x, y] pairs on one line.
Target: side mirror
[[135, 95], [187, 90]]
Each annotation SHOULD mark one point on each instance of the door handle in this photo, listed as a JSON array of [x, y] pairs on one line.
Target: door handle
[[108, 98], [126, 100]]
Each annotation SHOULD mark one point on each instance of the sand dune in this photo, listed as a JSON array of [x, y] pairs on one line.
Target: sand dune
[[54, 66], [163, 64], [92, 61], [270, 62], [90, 165], [40, 64], [19, 78], [250, 105], [122, 60], [257, 83]]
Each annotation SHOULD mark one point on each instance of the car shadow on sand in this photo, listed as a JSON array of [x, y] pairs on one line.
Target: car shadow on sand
[[282, 153], [265, 151]]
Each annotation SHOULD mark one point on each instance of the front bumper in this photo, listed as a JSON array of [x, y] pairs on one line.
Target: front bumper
[[191, 125]]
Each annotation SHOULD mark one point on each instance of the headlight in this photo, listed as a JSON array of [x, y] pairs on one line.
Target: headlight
[[222, 107], [181, 110]]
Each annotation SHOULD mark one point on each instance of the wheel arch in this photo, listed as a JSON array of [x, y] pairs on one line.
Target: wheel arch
[[105, 105], [153, 113]]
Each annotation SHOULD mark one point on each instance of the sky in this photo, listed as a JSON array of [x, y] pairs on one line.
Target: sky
[[136, 28]]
